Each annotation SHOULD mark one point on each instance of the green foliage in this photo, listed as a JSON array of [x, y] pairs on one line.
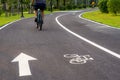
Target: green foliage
[[1, 11], [103, 6], [62, 7], [69, 7], [74, 6], [3, 1], [83, 6], [114, 6], [79, 6], [14, 6]]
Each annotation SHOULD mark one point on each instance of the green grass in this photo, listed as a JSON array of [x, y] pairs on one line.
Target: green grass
[[4, 20], [108, 19]]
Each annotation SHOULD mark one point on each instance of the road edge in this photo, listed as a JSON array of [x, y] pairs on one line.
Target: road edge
[[80, 16], [10, 23]]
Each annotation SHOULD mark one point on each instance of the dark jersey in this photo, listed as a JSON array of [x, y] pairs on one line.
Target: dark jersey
[[39, 1]]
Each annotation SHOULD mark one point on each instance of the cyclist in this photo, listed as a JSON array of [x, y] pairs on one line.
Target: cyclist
[[39, 4], [93, 4]]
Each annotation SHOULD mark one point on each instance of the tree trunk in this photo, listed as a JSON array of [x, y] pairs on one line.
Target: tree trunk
[[5, 8], [58, 4], [64, 3], [76, 2]]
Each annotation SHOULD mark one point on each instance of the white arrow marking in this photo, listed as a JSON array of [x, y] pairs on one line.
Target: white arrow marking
[[24, 69]]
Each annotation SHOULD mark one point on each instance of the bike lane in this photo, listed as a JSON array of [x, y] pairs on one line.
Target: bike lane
[[98, 33], [48, 49]]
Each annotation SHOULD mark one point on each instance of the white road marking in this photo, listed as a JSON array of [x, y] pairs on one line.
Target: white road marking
[[8, 24], [78, 59], [86, 40], [24, 68], [12, 23]]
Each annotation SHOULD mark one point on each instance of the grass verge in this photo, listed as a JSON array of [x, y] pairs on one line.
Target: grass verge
[[103, 18]]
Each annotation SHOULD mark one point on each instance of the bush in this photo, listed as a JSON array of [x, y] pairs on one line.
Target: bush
[[62, 7], [83, 5], [69, 7], [114, 6], [79, 6], [103, 6], [74, 6]]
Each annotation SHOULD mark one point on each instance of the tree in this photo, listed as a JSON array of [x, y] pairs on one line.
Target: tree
[[64, 2], [4, 7], [114, 6], [0, 10]]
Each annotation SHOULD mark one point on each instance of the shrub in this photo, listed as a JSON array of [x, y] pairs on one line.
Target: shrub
[[74, 6], [69, 7], [62, 7], [79, 6], [114, 6], [103, 6]]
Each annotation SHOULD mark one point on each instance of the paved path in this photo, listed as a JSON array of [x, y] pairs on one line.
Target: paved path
[[57, 54]]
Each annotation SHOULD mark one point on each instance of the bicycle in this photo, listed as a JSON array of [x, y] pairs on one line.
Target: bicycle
[[39, 21]]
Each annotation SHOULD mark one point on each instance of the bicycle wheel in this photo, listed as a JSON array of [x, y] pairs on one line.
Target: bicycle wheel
[[39, 26], [39, 21]]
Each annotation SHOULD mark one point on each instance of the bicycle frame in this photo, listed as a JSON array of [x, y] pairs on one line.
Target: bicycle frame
[[39, 20]]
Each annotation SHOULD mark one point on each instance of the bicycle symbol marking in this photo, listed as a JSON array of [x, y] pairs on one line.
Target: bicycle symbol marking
[[76, 59]]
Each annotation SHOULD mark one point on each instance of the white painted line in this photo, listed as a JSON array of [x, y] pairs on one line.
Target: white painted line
[[68, 11], [86, 40], [80, 16], [11, 23], [8, 24], [24, 68]]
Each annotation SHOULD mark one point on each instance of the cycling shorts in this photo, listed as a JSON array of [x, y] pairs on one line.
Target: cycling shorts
[[41, 6]]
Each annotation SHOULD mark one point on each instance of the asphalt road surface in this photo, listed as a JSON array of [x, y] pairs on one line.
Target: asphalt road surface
[[68, 48]]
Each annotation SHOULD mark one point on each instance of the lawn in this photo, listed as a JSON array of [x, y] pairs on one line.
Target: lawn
[[104, 18], [4, 20]]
